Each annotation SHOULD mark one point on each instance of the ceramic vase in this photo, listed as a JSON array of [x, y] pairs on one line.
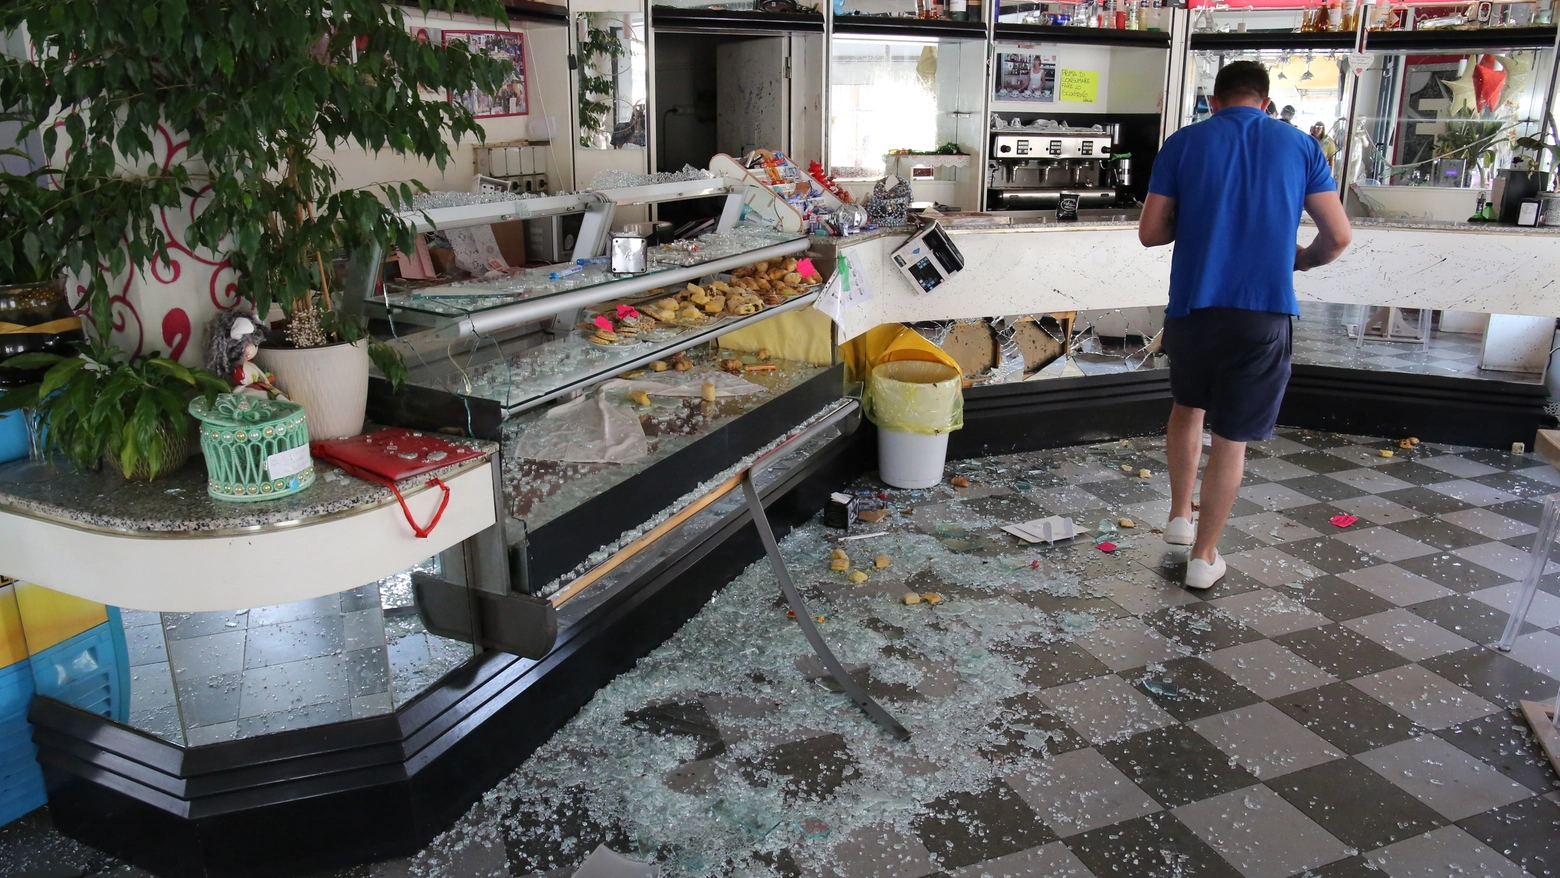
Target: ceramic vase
[[330, 382]]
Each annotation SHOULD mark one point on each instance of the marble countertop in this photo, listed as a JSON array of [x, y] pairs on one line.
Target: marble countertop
[[178, 504], [1371, 222]]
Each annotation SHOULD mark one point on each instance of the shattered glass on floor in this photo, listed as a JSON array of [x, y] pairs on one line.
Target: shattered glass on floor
[[1329, 708]]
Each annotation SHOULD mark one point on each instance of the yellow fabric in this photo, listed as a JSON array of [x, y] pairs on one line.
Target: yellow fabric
[[64, 324], [50, 617], [802, 335], [885, 344], [13, 646]]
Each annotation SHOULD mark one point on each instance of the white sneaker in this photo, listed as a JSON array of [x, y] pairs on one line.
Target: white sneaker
[[1200, 574], [1180, 532]]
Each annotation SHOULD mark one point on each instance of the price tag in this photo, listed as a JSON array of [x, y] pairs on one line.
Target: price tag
[[1359, 62], [286, 463]]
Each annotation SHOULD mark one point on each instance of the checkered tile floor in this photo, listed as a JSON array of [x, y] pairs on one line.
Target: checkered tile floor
[[1329, 709], [1322, 339]]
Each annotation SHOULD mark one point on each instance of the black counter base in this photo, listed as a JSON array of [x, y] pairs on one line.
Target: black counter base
[[347, 793]]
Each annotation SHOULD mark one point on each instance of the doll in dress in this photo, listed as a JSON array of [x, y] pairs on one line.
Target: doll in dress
[[235, 339]]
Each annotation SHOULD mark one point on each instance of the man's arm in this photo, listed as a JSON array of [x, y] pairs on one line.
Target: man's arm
[[1332, 231], [1156, 227]]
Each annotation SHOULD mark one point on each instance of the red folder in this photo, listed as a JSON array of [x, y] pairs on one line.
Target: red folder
[[393, 455]]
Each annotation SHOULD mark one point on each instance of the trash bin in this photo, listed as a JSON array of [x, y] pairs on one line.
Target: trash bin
[[915, 405]]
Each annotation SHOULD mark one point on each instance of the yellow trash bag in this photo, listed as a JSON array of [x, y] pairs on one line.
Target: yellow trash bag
[[888, 343], [915, 396]]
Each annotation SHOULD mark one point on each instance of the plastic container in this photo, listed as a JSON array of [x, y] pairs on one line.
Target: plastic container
[[915, 405], [13, 436], [911, 460], [256, 449]]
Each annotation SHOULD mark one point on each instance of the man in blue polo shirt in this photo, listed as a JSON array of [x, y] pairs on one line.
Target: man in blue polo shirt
[[1228, 191]]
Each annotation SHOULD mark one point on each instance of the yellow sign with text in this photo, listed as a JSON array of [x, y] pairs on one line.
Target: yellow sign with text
[[1079, 86]]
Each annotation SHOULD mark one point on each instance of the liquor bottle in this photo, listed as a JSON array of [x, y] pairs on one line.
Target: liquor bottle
[[958, 10], [1134, 21], [1335, 16]]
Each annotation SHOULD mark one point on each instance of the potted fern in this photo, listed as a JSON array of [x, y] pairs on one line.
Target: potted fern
[[251, 94]]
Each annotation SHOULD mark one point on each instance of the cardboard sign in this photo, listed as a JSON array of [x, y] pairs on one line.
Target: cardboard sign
[[1079, 86]]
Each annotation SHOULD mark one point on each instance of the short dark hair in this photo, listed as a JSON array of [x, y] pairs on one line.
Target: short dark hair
[[1241, 80]]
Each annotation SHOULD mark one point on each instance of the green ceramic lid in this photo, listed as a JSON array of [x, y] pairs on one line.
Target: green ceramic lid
[[239, 410]]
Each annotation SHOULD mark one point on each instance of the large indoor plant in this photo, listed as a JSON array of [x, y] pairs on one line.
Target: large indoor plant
[[222, 109]]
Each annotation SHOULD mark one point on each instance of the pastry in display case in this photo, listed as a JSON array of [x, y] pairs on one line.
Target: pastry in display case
[[611, 393]]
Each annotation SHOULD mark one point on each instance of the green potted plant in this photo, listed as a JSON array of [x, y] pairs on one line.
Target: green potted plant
[[34, 314], [104, 405], [254, 93]]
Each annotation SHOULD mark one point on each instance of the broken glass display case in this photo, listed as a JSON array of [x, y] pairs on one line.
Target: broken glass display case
[[613, 394]]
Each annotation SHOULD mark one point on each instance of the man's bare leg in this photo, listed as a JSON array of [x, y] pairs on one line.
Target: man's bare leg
[[1183, 447], [1220, 483]]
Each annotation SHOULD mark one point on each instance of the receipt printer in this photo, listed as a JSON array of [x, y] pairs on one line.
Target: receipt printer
[[929, 258]]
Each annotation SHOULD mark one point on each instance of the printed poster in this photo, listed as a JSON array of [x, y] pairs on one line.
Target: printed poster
[[510, 99], [1026, 76]]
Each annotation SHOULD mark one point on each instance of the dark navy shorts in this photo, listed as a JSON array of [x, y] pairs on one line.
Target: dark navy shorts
[[1232, 363]]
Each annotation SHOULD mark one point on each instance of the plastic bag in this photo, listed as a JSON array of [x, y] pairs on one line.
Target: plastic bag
[[586, 430], [915, 396]]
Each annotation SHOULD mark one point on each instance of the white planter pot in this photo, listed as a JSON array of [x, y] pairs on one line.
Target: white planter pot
[[331, 383]]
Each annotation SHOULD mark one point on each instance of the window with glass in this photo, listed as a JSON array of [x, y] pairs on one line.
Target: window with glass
[[894, 103], [1435, 129], [1307, 88], [612, 85]]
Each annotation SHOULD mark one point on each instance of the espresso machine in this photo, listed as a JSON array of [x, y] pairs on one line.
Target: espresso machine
[[1031, 169]]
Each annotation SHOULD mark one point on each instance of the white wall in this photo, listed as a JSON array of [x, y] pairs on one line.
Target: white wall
[[548, 95]]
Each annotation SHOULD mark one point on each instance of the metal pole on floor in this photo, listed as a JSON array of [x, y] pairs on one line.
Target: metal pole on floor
[[804, 617]]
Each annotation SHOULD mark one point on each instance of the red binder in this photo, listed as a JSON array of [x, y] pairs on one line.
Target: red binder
[[393, 455]]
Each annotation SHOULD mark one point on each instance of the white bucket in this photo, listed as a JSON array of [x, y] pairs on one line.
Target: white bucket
[[911, 460]]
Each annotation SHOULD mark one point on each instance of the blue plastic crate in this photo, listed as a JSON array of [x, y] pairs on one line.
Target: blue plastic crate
[[90, 671], [21, 780]]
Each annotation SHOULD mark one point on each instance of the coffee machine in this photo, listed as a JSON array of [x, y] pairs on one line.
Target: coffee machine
[[1030, 169]]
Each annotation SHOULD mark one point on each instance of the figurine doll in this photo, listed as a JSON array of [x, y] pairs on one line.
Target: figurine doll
[[235, 339]]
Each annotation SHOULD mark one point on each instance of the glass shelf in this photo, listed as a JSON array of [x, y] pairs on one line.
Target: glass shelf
[[478, 296], [519, 374], [539, 491]]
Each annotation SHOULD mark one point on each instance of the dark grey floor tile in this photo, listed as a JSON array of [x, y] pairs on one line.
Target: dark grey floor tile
[[1442, 535], [1504, 741], [1200, 627], [1026, 728], [810, 769], [1340, 651], [1056, 664], [1123, 492], [1190, 688], [1317, 517], [360, 598], [1319, 439], [1360, 807], [1347, 718], [1526, 832], [1522, 486], [368, 671], [205, 701], [1329, 555], [1492, 676], [183, 626], [1176, 765], [1500, 459], [1353, 867], [296, 718], [1336, 598], [1323, 489], [1458, 574], [559, 837], [293, 641], [1425, 501], [1319, 462], [1466, 617], [686, 718], [1154, 846], [1419, 474], [1525, 511], [962, 828]]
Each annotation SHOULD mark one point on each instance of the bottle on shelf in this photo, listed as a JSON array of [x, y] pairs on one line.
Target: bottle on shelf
[[958, 10], [1121, 16], [1156, 15], [1134, 21], [1335, 16]]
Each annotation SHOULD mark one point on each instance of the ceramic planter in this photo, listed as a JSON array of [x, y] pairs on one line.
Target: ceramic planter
[[35, 318], [331, 383]]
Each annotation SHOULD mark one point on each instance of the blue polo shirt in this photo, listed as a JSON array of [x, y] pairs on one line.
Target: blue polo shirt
[[1239, 180]]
